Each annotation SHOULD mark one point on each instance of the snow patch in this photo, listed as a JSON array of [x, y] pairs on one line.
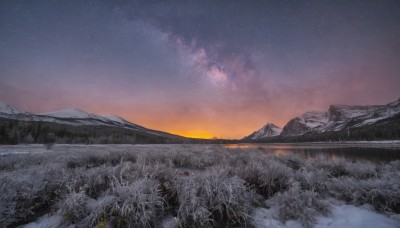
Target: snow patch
[[7, 109], [116, 118], [269, 130], [351, 216], [68, 113], [342, 216], [46, 221]]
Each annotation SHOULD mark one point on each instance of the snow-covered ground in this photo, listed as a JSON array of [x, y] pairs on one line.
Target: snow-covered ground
[[342, 216], [366, 144], [190, 185]]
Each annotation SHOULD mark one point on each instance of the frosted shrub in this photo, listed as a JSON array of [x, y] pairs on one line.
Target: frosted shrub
[[266, 176], [103, 211], [357, 170], [130, 204], [26, 193], [395, 165], [312, 178], [211, 198], [96, 180], [291, 161], [8, 213], [92, 160], [383, 194], [184, 160], [362, 170], [300, 205], [73, 208], [196, 185], [336, 169], [192, 205]]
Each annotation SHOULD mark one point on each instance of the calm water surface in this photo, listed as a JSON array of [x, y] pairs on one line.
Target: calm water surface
[[332, 152]]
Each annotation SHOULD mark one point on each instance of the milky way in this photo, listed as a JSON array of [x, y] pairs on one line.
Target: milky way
[[199, 68]]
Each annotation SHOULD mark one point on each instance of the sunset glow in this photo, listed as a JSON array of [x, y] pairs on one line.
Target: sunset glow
[[200, 69], [201, 135]]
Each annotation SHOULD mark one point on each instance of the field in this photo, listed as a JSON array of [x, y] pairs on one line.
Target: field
[[190, 186]]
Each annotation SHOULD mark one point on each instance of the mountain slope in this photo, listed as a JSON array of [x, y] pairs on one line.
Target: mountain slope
[[338, 123], [8, 110], [72, 113], [80, 124], [340, 117], [305, 123], [269, 130]]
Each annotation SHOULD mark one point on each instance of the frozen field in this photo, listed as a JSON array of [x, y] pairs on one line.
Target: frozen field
[[192, 186]]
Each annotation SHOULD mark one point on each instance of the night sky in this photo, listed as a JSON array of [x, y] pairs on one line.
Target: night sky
[[199, 68]]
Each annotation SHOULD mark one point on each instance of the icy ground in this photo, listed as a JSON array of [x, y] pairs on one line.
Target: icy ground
[[342, 216], [190, 185]]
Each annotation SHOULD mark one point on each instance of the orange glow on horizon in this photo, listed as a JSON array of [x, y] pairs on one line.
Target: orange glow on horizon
[[224, 125], [193, 134]]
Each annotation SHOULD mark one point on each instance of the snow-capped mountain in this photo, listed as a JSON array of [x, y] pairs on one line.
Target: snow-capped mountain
[[121, 121], [269, 130], [72, 113], [305, 122], [116, 118], [82, 117], [75, 117], [8, 110], [339, 117]]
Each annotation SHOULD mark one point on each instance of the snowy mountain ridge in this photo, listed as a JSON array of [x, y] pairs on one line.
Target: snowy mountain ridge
[[116, 118], [71, 113], [75, 117], [8, 110], [269, 130], [338, 117]]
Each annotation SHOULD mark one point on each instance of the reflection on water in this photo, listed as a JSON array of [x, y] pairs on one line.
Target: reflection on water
[[330, 152]]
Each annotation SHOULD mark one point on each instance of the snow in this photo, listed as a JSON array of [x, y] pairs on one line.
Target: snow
[[314, 119], [73, 117], [351, 216], [348, 116], [29, 172], [269, 130], [342, 216], [46, 221], [69, 113], [312, 114], [263, 217], [116, 118], [7, 109]]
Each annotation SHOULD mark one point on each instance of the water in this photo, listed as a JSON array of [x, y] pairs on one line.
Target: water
[[353, 152], [376, 153]]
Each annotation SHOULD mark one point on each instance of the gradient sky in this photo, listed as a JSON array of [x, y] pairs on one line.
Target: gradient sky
[[199, 68]]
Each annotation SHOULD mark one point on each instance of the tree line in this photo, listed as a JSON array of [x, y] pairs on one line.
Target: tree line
[[15, 132]]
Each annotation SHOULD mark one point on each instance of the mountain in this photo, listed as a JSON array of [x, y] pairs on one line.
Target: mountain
[[339, 122], [72, 113], [340, 117], [122, 122], [8, 110], [269, 130], [76, 116], [304, 123], [116, 118], [74, 125]]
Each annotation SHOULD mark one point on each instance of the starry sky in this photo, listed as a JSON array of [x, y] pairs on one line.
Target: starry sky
[[199, 68]]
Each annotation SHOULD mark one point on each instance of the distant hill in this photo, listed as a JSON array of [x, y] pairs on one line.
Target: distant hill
[[76, 126]]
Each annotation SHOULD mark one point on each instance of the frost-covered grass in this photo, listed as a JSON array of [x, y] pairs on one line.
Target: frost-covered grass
[[186, 186]]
